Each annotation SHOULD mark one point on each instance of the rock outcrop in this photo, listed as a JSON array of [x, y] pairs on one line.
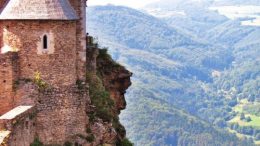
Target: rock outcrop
[[112, 79]]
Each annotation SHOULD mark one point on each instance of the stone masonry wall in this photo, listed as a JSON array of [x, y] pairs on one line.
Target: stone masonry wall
[[80, 8], [61, 114], [8, 75], [56, 69], [23, 129]]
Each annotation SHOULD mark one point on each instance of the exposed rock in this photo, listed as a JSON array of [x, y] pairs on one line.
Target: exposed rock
[[115, 77]]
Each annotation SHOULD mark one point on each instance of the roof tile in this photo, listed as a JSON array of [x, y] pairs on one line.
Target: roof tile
[[38, 9]]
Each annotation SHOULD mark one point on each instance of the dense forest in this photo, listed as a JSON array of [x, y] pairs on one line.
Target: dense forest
[[196, 78]]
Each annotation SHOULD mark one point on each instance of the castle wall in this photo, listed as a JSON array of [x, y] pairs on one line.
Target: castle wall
[[8, 75], [57, 67], [80, 8], [22, 128], [61, 115], [23, 133]]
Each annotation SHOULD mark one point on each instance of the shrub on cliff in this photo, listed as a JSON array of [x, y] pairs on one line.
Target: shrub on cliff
[[125, 142], [100, 98], [110, 63]]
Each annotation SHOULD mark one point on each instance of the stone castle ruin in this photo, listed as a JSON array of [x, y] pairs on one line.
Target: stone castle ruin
[[42, 45]]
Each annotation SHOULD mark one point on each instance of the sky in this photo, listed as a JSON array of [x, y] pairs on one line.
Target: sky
[[129, 3]]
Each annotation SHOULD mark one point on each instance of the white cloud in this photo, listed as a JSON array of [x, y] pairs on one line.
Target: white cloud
[[129, 3]]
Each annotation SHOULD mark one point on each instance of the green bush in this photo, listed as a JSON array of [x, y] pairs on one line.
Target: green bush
[[118, 127], [100, 98], [37, 142], [125, 142], [103, 55]]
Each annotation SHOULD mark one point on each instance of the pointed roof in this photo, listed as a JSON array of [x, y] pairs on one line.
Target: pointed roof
[[38, 10]]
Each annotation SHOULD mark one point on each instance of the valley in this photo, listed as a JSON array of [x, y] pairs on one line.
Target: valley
[[195, 72]]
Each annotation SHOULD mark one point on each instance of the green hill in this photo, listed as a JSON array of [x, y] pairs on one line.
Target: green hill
[[176, 95]]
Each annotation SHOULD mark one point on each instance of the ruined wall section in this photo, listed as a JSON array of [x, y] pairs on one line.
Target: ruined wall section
[[59, 115], [22, 128], [57, 67], [62, 114], [8, 76], [80, 8]]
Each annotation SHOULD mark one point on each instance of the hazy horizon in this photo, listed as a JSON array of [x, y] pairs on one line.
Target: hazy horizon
[[133, 3]]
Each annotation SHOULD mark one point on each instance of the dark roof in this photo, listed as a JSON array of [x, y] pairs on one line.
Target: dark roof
[[38, 10]]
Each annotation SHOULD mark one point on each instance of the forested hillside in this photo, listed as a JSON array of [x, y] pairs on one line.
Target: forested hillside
[[190, 85]]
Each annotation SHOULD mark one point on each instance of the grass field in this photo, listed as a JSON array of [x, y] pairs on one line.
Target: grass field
[[255, 120], [239, 107], [254, 123]]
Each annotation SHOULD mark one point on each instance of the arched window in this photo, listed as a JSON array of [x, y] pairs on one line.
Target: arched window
[[45, 42]]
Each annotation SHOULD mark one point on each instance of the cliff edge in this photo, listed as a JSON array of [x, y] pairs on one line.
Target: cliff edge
[[108, 82]]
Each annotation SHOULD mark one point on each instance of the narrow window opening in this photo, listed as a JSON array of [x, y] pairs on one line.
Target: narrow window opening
[[26, 124], [45, 42]]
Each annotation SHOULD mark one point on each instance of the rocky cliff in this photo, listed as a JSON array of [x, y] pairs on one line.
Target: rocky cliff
[[108, 82]]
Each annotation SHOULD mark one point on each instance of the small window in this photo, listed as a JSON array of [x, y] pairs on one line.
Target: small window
[[26, 124], [45, 42]]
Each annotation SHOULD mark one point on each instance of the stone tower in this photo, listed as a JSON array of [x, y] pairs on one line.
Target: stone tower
[[46, 38]]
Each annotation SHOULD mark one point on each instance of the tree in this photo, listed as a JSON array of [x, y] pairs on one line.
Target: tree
[[242, 116], [248, 119], [257, 137]]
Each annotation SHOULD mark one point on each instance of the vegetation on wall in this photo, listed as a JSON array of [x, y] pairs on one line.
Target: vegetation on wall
[[100, 98], [42, 85]]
